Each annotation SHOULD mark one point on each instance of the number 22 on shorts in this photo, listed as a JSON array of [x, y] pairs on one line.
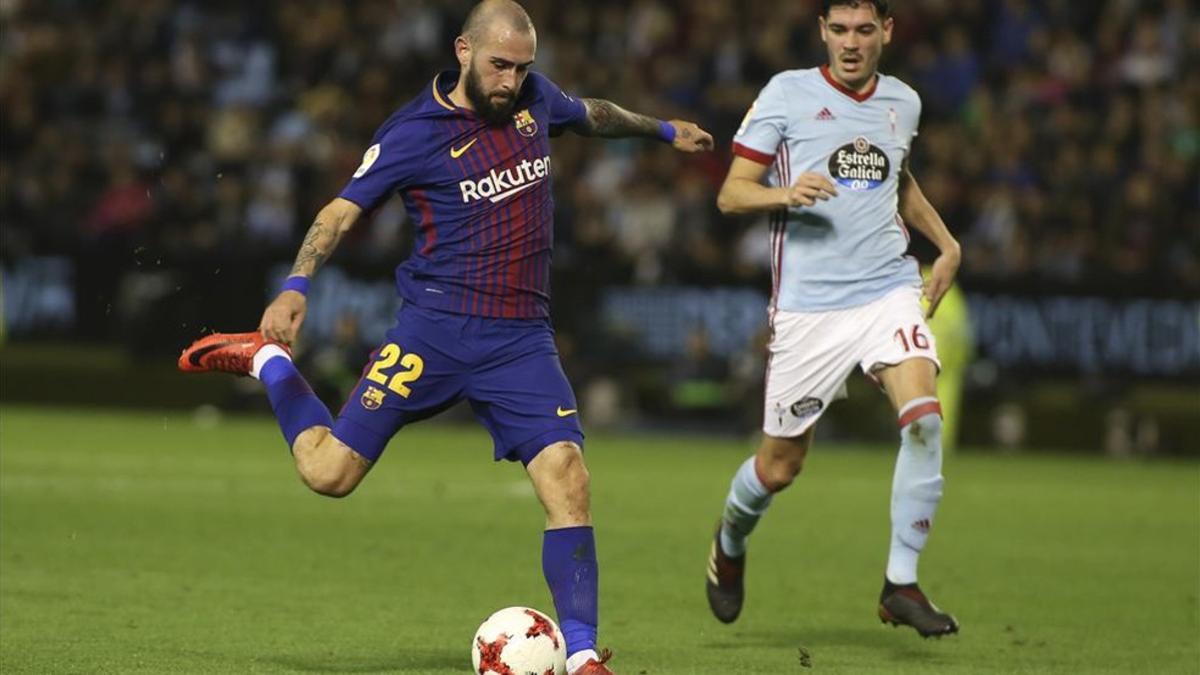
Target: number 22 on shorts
[[918, 339], [411, 364]]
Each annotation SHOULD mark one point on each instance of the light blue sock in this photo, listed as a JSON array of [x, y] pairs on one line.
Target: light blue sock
[[916, 487], [747, 501]]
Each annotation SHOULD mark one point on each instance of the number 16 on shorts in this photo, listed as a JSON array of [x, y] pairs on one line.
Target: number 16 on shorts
[[912, 338]]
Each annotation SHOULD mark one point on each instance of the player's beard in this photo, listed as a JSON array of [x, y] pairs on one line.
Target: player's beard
[[493, 114]]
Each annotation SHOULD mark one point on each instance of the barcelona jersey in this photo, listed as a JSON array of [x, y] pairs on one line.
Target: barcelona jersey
[[480, 198]]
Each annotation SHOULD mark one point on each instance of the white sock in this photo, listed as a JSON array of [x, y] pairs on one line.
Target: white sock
[[916, 486], [576, 660], [747, 501], [266, 353]]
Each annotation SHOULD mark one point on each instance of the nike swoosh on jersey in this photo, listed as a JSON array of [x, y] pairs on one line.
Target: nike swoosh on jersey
[[520, 188], [458, 152], [565, 413]]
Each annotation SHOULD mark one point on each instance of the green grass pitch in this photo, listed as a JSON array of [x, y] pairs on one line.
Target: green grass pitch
[[150, 544]]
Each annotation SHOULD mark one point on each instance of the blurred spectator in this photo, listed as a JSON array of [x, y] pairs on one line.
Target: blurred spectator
[[1060, 139]]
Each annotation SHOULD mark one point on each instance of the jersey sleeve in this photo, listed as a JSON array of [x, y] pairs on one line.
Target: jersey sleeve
[[764, 126], [391, 163], [565, 110]]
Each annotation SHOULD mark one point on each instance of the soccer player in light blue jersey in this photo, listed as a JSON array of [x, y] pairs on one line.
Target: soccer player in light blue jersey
[[470, 156], [832, 144]]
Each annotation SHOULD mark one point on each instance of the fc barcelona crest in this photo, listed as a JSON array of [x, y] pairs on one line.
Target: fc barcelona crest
[[526, 125], [372, 398]]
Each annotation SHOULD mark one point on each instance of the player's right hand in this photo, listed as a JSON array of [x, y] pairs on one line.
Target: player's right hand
[[282, 318], [810, 187]]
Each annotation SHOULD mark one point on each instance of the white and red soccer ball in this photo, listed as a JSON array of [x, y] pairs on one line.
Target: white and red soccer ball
[[519, 641]]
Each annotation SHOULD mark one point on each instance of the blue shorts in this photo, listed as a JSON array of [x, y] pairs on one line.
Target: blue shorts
[[507, 369]]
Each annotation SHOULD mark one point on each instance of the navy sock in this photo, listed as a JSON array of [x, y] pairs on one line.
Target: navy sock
[[295, 405], [569, 563]]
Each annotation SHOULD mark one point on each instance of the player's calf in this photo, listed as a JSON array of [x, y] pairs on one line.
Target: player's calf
[[569, 550], [776, 464], [774, 467], [326, 465], [916, 487]]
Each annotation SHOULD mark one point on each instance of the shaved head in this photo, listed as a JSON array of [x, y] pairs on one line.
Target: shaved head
[[491, 15], [495, 52]]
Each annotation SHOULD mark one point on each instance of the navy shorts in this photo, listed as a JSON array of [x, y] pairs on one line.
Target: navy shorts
[[508, 369]]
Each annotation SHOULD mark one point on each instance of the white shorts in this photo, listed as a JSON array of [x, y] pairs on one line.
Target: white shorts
[[812, 354]]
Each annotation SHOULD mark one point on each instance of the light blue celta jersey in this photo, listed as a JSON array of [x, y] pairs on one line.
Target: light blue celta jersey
[[849, 250]]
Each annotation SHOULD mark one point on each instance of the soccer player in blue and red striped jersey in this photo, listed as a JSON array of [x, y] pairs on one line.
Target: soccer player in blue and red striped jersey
[[470, 156]]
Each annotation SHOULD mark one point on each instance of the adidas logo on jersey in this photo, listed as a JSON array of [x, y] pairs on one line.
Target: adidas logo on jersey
[[825, 115], [500, 185]]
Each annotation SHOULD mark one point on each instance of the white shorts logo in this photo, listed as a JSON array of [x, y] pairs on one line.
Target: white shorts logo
[[800, 410], [368, 160]]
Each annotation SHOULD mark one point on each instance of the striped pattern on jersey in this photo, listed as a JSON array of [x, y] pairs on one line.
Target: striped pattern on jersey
[[480, 198]]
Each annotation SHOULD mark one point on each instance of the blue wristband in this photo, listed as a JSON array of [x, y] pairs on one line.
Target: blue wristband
[[297, 283], [666, 131]]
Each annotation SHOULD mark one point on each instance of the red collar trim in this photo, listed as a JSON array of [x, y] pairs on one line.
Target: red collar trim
[[847, 90]]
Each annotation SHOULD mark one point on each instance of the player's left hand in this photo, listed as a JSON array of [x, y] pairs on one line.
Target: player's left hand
[[940, 278], [690, 138]]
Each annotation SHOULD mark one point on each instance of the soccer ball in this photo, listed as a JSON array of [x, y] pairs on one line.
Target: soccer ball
[[519, 641]]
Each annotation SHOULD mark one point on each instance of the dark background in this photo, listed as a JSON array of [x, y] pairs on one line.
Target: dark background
[[160, 162]]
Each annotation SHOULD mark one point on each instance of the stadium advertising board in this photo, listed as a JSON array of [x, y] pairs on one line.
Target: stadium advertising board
[[1026, 331]]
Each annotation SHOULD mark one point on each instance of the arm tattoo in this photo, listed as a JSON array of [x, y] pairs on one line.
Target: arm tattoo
[[318, 244], [609, 120]]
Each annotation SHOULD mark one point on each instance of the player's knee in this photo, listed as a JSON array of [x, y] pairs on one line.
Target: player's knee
[[563, 484], [327, 470], [780, 472], [328, 482], [326, 478], [569, 472], [778, 465]]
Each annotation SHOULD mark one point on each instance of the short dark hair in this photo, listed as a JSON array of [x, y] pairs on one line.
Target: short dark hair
[[881, 6]]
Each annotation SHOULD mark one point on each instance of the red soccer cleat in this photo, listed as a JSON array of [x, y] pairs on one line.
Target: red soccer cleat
[[594, 667], [225, 352]]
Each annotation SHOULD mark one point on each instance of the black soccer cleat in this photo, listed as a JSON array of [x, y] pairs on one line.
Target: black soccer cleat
[[906, 605], [723, 584]]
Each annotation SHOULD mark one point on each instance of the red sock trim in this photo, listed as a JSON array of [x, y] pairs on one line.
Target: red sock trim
[[917, 412]]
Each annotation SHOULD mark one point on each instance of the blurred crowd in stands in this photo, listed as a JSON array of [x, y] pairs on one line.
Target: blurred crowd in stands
[[1060, 139]]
